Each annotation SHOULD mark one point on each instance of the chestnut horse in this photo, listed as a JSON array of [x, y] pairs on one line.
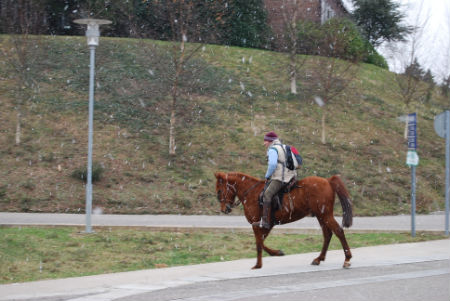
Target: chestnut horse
[[311, 196]]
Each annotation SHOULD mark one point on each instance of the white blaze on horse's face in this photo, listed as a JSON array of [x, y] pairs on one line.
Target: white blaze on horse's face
[[226, 194]]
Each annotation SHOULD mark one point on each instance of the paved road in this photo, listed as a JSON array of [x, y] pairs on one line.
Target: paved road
[[418, 281], [413, 271], [433, 222]]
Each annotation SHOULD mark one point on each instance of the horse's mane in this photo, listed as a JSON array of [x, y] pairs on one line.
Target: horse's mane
[[240, 175]]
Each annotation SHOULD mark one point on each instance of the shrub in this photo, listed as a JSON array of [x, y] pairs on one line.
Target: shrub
[[339, 38], [2, 192], [343, 36], [374, 58], [81, 173], [28, 185]]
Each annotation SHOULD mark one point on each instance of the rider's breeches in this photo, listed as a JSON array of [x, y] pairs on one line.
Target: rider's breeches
[[271, 190]]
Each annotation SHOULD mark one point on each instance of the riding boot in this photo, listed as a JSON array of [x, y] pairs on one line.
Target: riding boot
[[264, 222]]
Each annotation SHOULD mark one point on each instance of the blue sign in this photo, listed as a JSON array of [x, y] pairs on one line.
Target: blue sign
[[412, 131]]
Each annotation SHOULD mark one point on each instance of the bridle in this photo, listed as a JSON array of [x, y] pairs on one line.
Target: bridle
[[236, 201], [229, 188]]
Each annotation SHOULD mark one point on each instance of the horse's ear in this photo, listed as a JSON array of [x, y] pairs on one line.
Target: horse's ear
[[219, 176]]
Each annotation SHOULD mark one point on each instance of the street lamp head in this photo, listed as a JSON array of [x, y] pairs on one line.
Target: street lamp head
[[92, 31]]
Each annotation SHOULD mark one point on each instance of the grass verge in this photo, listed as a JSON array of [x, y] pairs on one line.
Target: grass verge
[[34, 253]]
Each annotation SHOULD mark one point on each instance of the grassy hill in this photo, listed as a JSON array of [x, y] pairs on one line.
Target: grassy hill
[[239, 95]]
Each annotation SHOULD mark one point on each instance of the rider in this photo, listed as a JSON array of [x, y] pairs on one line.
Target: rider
[[277, 174]]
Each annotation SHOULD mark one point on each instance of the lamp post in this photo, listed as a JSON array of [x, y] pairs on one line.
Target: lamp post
[[93, 35]]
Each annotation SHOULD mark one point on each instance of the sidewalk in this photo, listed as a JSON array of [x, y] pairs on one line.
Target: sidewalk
[[119, 285], [399, 223]]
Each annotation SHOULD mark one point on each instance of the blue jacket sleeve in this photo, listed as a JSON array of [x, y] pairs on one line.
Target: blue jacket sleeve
[[273, 161]]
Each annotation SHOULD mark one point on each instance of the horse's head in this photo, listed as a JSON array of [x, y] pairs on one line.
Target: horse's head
[[226, 192]]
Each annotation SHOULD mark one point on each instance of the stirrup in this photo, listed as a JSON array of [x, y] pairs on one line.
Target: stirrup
[[261, 224]]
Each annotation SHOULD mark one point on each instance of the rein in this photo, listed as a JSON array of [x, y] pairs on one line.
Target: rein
[[238, 201], [250, 189]]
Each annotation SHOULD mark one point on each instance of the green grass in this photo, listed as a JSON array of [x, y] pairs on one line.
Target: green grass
[[30, 253], [239, 95]]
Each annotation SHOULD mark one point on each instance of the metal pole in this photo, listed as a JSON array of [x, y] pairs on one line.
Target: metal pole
[[413, 201], [447, 169], [90, 140]]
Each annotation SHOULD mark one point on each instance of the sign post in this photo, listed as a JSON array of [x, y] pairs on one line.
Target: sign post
[[412, 160], [442, 128]]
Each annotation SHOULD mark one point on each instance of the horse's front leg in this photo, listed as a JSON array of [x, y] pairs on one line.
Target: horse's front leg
[[270, 251], [259, 246], [273, 252], [260, 235]]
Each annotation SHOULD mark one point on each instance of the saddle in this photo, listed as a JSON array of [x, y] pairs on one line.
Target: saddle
[[277, 199]]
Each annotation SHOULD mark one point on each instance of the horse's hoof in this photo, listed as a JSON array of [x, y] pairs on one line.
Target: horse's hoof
[[347, 265], [280, 253], [315, 262], [256, 267]]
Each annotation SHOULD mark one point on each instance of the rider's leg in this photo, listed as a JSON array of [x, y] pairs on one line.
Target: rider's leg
[[273, 187]]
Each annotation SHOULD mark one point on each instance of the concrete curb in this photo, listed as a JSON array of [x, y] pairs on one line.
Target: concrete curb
[[402, 223]]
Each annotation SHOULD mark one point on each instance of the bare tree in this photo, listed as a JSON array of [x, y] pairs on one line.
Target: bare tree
[[22, 51], [445, 71], [291, 12], [330, 74], [445, 86], [187, 23], [409, 85], [179, 16]]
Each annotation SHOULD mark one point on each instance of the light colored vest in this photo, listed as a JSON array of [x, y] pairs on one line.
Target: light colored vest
[[281, 173]]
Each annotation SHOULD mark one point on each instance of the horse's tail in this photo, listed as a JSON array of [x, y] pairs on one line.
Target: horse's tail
[[339, 187]]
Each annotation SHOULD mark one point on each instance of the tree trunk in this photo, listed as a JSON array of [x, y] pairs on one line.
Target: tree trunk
[[172, 146], [179, 65], [173, 117], [289, 10], [406, 128], [293, 67], [293, 57], [18, 129], [323, 127], [293, 84]]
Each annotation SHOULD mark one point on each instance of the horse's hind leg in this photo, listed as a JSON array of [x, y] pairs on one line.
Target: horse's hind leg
[[327, 234], [334, 226]]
